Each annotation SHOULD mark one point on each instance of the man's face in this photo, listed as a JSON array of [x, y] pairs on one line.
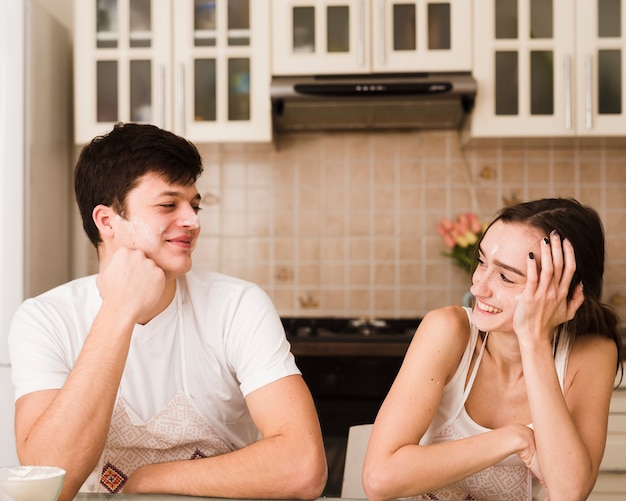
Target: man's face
[[161, 219]]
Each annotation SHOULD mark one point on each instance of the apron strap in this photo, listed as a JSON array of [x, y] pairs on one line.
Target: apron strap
[[181, 335]]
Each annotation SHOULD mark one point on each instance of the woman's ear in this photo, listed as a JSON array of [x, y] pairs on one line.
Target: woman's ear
[[103, 216]]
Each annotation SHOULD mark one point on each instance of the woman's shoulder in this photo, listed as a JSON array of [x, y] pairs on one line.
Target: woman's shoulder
[[442, 338], [450, 321], [591, 358], [589, 347]]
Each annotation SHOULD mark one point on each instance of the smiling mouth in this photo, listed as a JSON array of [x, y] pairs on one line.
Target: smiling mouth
[[181, 241], [487, 308]]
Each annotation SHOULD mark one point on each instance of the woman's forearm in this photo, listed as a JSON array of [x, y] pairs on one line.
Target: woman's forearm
[[564, 458], [418, 469]]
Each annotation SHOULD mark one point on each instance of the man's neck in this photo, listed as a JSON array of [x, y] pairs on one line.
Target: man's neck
[[166, 298]]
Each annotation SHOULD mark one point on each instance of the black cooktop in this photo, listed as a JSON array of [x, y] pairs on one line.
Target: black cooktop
[[330, 329]]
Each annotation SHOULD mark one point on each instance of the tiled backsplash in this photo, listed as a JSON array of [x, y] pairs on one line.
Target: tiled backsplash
[[345, 223]]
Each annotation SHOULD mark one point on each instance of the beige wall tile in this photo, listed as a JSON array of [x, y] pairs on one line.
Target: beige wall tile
[[333, 301], [345, 223], [565, 172], [334, 223], [359, 301], [589, 172], [385, 302]]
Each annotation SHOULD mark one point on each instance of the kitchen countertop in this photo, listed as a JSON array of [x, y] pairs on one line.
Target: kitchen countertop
[[365, 348], [349, 348], [84, 496]]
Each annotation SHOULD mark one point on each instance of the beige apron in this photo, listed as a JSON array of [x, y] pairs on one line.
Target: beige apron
[[508, 480], [178, 431]]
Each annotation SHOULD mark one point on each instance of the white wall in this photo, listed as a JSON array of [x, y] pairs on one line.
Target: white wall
[[61, 10], [34, 111], [8, 456]]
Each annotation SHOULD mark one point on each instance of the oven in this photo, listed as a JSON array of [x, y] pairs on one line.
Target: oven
[[349, 366]]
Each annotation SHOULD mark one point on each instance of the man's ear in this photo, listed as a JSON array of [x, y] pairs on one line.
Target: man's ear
[[103, 216]]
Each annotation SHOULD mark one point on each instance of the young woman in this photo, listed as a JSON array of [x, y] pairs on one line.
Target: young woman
[[507, 401]]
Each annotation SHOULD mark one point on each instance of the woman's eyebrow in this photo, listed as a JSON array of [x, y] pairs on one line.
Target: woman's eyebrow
[[500, 264]]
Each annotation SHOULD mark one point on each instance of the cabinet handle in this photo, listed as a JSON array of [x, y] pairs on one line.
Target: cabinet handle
[[180, 99], [567, 71], [381, 32], [588, 93], [361, 34]]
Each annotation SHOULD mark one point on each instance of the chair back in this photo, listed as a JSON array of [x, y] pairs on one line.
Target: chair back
[[358, 437]]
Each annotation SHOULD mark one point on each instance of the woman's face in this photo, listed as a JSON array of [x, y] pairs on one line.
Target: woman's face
[[500, 276]]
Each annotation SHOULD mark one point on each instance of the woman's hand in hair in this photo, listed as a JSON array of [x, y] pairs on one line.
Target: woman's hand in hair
[[543, 305]]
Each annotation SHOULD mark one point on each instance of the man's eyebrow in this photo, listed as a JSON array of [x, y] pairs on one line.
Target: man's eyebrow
[[500, 264], [178, 194]]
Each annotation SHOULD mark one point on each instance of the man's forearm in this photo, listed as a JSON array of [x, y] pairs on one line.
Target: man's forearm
[[68, 428], [274, 468]]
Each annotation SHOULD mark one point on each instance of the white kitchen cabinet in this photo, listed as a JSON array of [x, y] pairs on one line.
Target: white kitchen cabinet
[[322, 37], [197, 67], [549, 68], [600, 68], [611, 484]]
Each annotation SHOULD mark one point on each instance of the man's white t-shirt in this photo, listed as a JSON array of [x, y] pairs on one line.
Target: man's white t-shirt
[[234, 343]]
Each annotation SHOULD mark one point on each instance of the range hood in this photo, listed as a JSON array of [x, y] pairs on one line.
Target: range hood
[[352, 102]]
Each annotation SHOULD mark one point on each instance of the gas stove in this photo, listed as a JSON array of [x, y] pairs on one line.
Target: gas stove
[[349, 365], [320, 336], [332, 329]]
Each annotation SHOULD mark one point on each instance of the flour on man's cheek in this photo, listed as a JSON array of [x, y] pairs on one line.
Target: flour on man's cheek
[[139, 235]]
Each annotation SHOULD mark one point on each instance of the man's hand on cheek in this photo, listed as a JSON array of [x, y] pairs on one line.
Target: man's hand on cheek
[[131, 280]]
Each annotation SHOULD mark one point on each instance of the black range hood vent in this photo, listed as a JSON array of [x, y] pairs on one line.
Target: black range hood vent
[[352, 102]]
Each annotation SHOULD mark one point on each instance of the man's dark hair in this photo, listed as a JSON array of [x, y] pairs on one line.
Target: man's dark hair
[[111, 164]]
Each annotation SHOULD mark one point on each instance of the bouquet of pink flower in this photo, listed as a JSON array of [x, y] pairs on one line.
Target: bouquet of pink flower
[[461, 238]]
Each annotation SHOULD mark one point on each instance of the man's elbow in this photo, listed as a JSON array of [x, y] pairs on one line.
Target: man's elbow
[[310, 478]]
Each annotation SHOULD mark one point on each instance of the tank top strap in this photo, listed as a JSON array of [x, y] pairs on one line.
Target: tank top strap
[[470, 348], [561, 356]]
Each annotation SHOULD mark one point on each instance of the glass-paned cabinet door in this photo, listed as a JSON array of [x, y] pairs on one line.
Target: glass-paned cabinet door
[[316, 37], [601, 68], [523, 64], [421, 35], [122, 63], [221, 65]]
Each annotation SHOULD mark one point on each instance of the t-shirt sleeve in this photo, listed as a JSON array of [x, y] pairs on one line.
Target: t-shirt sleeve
[[38, 356], [256, 345]]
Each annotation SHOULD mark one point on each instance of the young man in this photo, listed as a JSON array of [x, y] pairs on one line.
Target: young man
[[123, 377]]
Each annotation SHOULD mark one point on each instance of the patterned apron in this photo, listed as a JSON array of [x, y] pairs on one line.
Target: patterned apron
[[178, 431], [508, 480]]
